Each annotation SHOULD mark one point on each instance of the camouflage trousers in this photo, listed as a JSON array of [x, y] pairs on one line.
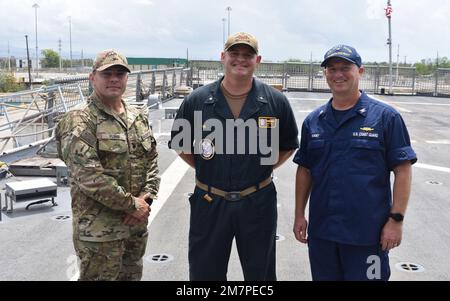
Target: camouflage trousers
[[112, 260]]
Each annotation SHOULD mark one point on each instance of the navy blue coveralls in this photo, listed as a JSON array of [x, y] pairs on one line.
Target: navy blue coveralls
[[350, 164], [251, 220]]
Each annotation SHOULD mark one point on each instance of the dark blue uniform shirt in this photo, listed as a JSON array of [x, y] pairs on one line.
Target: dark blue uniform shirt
[[235, 172], [350, 164]]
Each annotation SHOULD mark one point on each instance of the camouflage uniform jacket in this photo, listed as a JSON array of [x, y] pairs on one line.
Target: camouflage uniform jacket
[[109, 163]]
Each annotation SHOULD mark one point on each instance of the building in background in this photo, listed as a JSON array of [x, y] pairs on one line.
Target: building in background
[[142, 64]]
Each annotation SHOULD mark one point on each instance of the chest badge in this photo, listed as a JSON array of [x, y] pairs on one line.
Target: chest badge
[[267, 122], [207, 149], [366, 132]]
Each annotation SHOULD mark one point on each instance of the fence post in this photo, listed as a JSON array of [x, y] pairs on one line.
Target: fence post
[[182, 77], [436, 73], [163, 88], [138, 87], [50, 105], [414, 81], [310, 77], [374, 81], [284, 83], [153, 86], [174, 82], [377, 79], [198, 77]]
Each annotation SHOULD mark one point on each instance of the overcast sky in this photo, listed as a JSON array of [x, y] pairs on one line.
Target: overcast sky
[[285, 29]]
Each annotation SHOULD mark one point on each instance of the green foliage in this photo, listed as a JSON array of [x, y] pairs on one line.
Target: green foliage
[[77, 63], [428, 66], [8, 83], [51, 58]]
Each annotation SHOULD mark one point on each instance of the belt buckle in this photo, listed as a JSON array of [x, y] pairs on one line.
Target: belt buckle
[[233, 196]]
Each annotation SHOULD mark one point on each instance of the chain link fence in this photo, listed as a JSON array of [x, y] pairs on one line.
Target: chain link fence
[[310, 77]]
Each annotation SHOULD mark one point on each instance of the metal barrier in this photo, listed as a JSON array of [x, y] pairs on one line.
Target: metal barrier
[[310, 77], [141, 83], [28, 117], [442, 87]]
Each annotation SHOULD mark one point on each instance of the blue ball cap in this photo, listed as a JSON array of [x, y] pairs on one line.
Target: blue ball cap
[[345, 52]]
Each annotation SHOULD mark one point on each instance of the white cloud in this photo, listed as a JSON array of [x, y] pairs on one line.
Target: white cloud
[[375, 9], [285, 29], [144, 2]]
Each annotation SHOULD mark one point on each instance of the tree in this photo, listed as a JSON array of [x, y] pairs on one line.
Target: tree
[[428, 66], [444, 62], [8, 83], [51, 58]]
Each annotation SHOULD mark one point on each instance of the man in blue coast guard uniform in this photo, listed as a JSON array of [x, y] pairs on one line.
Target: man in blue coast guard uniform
[[234, 195], [348, 149]]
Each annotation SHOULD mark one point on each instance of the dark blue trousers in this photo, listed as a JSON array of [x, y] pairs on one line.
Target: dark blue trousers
[[332, 261], [252, 221]]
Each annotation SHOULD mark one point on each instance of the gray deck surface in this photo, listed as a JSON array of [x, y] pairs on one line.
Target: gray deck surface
[[35, 246]]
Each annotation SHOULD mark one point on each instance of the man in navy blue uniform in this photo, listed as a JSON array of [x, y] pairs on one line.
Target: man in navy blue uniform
[[234, 195], [348, 149]]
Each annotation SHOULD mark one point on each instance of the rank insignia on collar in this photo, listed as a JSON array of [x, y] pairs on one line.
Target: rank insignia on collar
[[267, 122]]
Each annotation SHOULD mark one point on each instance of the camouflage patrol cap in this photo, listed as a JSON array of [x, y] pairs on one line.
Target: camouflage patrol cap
[[241, 38], [109, 58]]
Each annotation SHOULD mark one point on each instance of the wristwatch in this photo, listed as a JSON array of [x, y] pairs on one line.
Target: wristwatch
[[398, 217]]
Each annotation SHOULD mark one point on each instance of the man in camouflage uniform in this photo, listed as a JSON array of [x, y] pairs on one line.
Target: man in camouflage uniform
[[110, 151]]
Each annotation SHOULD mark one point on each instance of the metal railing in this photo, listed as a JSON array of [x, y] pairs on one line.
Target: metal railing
[[310, 77], [141, 84], [28, 117]]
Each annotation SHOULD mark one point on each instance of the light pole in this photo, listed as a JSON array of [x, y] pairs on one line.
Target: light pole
[[60, 58], [70, 39], [398, 58], [389, 42], [223, 30], [30, 83], [229, 10], [9, 59], [36, 6]]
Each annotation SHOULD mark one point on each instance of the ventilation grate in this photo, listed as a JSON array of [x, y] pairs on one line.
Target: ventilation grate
[[409, 267], [61, 218], [159, 258]]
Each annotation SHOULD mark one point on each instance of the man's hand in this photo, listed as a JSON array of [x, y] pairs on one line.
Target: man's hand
[[140, 216], [300, 227], [391, 235]]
